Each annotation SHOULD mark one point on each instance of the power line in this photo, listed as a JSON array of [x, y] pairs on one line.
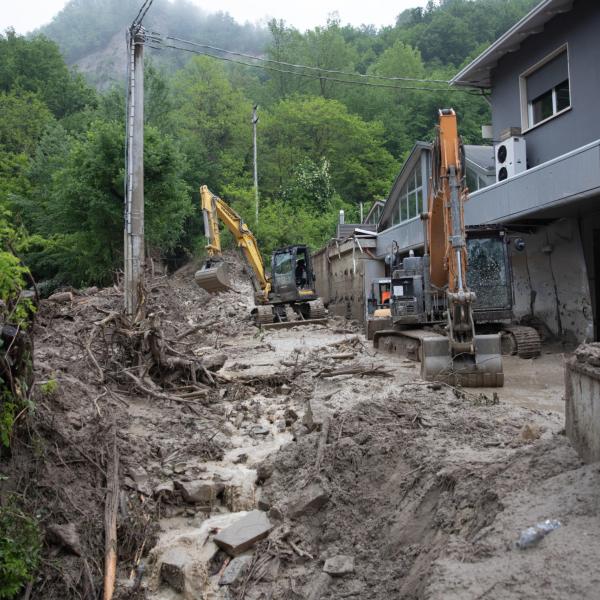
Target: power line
[[319, 69], [140, 12], [317, 77]]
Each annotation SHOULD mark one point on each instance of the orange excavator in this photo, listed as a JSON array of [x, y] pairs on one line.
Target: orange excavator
[[431, 305]]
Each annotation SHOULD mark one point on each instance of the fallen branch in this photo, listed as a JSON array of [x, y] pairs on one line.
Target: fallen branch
[[110, 518], [360, 371]]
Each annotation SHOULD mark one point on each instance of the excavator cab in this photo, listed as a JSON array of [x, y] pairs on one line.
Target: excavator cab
[[292, 277]]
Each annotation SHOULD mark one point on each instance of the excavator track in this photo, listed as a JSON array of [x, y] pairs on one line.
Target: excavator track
[[523, 341], [263, 315], [316, 310]]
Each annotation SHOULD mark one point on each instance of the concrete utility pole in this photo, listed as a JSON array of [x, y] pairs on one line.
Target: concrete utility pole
[[254, 122], [134, 200]]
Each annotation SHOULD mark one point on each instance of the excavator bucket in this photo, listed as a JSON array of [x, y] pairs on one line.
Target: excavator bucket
[[482, 369], [213, 279]]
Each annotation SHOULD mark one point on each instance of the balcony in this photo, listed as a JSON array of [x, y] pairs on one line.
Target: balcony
[[550, 190]]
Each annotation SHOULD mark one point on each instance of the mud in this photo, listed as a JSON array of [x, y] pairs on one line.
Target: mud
[[422, 488]]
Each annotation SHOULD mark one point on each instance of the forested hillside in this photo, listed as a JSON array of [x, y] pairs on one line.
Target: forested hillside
[[323, 144]]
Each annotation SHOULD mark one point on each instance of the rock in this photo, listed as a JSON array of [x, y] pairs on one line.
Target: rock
[[214, 362], [179, 468], [172, 568], [260, 430], [529, 433], [65, 536], [275, 514], [244, 533], [315, 414], [240, 459], [318, 587], [61, 297], [264, 471], [290, 416], [339, 565], [236, 569], [140, 477], [200, 492], [280, 425], [308, 501], [165, 489]]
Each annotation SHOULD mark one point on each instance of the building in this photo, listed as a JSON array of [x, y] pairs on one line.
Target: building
[[544, 80], [540, 178]]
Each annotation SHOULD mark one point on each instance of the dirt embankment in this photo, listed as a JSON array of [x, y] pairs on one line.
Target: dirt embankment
[[374, 484]]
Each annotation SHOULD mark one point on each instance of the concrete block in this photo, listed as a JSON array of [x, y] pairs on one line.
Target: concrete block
[[236, 569], [582, 401], [339, 565], [172, 569], [309, 500], [200, 492], [244, 533]]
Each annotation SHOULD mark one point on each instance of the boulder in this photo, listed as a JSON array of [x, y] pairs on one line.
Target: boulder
[[244, 533]]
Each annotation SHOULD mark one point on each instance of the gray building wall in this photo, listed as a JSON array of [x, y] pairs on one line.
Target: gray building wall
[[550, 280], [344, 274], [580, 29]]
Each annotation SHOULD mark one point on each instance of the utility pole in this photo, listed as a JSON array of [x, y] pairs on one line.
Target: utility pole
[[134, 199], [254, 122]]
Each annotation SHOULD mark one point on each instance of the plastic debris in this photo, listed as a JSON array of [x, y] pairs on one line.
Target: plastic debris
[[532, 535]]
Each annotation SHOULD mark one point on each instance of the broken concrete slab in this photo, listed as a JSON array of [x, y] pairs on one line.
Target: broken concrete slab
[[307, 501], [236, 569], [200, 492], [244, 533], [315, 414], [172, 569], [339, 565]]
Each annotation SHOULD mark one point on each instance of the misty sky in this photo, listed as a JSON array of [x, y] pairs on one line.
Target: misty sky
[[25, 15]]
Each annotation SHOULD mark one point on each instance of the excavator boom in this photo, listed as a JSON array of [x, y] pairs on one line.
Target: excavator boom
[[213, 277]]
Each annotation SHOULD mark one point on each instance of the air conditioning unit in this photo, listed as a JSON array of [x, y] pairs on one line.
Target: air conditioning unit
[[511, 157]]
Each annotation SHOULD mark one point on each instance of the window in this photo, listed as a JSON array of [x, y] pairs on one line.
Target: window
[[475, 181], [545, 89], [410, 202]]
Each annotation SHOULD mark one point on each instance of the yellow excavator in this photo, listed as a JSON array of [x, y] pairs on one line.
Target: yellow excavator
[[287, 297], [431, 305]]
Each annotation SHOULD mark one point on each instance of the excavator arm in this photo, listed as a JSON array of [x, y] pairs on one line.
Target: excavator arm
[[214, 210], [447, 236]]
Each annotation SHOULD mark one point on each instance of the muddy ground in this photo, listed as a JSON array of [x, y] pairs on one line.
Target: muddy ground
[[421, 489]]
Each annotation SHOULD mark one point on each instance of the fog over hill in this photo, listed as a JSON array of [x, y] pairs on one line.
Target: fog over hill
[[91, 33]]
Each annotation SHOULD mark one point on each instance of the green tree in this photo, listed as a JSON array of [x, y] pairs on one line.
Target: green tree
[[317, 128]]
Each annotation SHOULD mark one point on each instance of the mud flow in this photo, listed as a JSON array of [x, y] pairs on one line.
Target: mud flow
[[288, 464]]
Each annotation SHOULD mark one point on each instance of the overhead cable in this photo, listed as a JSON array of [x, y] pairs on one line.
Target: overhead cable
[[318, 77], [295, 66]]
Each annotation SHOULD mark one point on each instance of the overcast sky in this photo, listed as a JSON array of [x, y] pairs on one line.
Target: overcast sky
[[25, 15]]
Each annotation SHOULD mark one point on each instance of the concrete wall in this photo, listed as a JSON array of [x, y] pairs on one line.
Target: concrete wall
[[582, 401], [579, 29], [550, 280], [344, 274]]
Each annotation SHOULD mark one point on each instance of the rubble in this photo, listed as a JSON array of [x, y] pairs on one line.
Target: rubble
[[307, 501], [244, 533], [236, 569], [339, 565], [172, 570], [200, 492]]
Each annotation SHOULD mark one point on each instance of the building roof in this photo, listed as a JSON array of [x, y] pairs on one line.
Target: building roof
[[479, 72]]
